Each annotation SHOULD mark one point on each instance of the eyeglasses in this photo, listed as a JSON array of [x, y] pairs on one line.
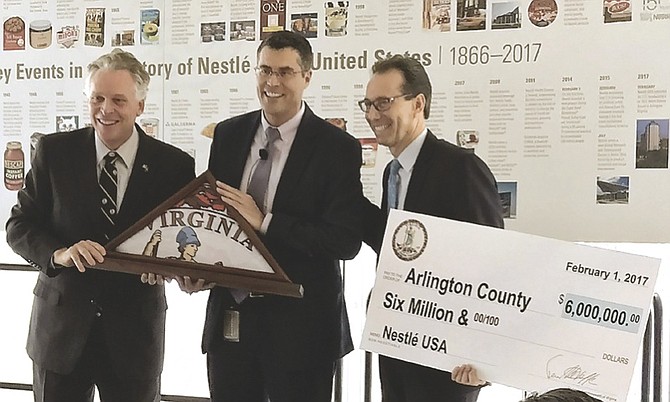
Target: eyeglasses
[[381, 104], [282, 73]]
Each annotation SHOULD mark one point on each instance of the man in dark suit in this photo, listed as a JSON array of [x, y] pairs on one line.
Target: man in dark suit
[[287, 347], [91, 327], [429, 176]]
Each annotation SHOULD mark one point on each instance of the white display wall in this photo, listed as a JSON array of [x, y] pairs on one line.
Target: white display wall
[[567, 101]]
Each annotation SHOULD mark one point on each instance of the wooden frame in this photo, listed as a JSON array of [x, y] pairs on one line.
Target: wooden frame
[[200, 196]]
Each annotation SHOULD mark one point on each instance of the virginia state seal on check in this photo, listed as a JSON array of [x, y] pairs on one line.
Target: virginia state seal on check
[[409, 240]]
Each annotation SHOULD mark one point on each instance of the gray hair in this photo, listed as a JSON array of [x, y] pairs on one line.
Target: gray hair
[[119, 59]]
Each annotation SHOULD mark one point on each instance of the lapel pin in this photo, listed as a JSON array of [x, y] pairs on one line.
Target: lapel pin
[[145, 167]]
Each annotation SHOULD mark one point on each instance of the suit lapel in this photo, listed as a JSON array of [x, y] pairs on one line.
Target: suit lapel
[[420, 173], [385, 185], [139, 182], [85, 168], [299, 157], [235, 158]]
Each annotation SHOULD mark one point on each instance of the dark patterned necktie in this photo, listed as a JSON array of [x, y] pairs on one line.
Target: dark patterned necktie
[[108, 182], [393, 184], [258, 185]]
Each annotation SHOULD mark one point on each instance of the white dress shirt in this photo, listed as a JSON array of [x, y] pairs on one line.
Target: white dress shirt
[[407, 159], [124, 165]]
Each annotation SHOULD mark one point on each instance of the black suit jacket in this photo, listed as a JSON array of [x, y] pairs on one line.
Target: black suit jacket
[[448, 182], [313, 226], [58, 207]]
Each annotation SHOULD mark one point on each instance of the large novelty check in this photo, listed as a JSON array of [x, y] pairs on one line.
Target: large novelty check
[[527, 311]]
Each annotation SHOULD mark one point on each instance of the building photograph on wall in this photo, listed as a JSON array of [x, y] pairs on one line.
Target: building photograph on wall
[[505, 15], [652, 144], [471, 15], [612, 190]]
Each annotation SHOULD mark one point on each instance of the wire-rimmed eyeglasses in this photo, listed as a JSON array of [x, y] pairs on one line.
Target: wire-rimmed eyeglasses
[[282, 73]]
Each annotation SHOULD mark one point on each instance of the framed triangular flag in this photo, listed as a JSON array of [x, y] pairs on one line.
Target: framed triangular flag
[[194, 233]]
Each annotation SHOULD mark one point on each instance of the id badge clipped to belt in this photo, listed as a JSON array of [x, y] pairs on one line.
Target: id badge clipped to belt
[[231, 325]]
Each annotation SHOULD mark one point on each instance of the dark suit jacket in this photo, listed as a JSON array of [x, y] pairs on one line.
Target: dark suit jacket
[[311, 229], [58, 207], [447, 182]]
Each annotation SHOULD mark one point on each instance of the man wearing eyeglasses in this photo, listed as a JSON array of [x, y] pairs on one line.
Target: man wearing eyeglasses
[[287, 347], [430, 176]]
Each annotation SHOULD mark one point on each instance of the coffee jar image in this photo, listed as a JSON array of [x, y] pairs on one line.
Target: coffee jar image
[[14, 166], [40, 34]]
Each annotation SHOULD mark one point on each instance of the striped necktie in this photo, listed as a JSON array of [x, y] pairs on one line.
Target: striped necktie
[[108, 182]]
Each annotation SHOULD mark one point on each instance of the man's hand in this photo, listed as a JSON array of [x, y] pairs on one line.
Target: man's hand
[[242, 202], [83, 252], [154, 279], [466, 375], [188, 286]]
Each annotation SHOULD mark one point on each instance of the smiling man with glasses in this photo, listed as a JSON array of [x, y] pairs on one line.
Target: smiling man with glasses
[[381, 104], [430, 176], [295, 178], [266, 72]]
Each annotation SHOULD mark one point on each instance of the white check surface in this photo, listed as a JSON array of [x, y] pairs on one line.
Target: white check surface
[[527, 311]]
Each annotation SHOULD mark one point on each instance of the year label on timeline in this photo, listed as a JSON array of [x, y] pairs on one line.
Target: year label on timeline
[[509, 53]]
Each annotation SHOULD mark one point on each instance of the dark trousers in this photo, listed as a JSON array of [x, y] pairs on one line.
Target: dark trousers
[[237, 375], [241, 372], [408, 382], [93, 369]]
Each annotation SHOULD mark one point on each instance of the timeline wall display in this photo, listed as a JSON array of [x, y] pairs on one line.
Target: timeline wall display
[[567, 101]]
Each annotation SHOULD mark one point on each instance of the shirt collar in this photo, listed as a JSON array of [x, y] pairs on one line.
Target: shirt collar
[[289, 129], [127, 151], [408, 156]]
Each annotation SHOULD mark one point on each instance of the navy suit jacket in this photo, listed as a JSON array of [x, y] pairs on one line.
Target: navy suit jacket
[[313, 226], [58, 207]]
